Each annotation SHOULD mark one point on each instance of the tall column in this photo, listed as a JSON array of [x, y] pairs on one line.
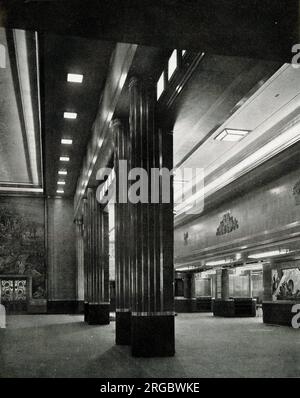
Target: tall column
[[98, 261], [122, 236], [250, 285], [225, 284], [267, 282], [86, 259], [80, 263], [152, 272]]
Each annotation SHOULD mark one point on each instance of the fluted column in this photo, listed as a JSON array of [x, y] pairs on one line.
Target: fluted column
[[80, 263], [97, 261], [86, 259], [122, 235], [151, 233], [225, 284]]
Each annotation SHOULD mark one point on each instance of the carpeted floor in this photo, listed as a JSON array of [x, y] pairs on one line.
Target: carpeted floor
[[64, 346]]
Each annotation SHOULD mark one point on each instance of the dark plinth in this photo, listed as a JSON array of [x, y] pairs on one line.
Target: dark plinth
[[278, 312], [204, 304], [64, 307], [152, 336], [236, 307], [183, 304], [86, 312], [98, 314], [123, 328]]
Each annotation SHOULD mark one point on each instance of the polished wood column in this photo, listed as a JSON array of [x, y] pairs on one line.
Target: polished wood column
[[122, 235], [151, 236], [80, 264], [98, 261]]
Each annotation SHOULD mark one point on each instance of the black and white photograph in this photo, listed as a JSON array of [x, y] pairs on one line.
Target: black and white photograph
[[149, 192]]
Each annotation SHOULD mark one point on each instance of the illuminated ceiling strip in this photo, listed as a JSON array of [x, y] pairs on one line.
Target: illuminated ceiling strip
[[271, 253], [39, 101], [281, 142], [9, 189], [26, 97]]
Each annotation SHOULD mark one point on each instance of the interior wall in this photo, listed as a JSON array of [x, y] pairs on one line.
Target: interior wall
[[22, 245], [273, 208], [61, 254]]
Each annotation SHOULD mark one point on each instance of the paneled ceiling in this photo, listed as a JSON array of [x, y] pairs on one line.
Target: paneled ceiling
[[61, 55]]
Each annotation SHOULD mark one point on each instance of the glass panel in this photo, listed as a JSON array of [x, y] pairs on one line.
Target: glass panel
[[160, 86], [172, 64], [7, 291], [20, 290]]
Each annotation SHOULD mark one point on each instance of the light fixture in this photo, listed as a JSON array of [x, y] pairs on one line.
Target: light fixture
[[160, 85], [62, 172], [2, 56], [218, 262], [270, 253], [231, 135], [183, 52], [66, 141], [61, 183], [74, 78], [277, 145], [64, 158], [70, 115], [60, 191]]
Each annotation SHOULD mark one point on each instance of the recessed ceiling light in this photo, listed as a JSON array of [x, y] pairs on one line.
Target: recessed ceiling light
[[231, 135], [74, 78], [61, 183], [64, 158], [70, 115], [66, 141], [62, 172], [60, 191]]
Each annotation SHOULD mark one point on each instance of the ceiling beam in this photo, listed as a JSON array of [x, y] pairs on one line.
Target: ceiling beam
[[264, 29], [100, 147]]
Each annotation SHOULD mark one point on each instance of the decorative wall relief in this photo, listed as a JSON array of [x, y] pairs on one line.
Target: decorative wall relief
[[296, 192], [227, 225], [22, 244]]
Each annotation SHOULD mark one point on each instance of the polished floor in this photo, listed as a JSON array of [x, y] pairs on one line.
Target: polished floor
[[64, 346]]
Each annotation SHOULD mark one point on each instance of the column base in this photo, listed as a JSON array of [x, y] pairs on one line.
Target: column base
[[153, 336], [98, 314], [123, 328], [86, 312]]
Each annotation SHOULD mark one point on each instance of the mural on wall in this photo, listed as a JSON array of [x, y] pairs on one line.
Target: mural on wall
[[22, 245], [296, 192], [227, 225], [286, 284]]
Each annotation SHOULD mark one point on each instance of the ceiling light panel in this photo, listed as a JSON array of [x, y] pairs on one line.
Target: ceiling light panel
[[74, 78], [61, 183], [231, 135], [66, 141], [70, 115], [62, 172], [64, 158]]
